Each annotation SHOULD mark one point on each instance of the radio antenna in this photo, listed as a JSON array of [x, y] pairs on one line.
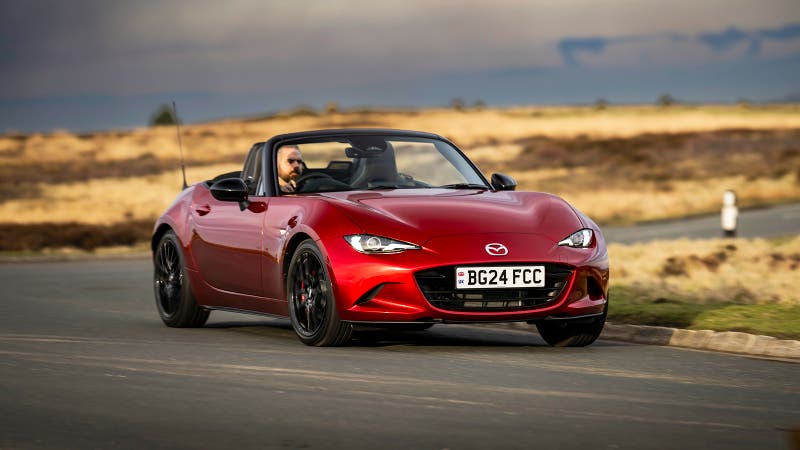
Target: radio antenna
[[180, 144]]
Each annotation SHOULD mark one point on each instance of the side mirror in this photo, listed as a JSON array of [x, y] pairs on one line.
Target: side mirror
[[503, 182], [230, 190]]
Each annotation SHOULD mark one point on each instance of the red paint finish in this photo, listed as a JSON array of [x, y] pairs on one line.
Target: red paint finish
[[226, 243], [237, 253]]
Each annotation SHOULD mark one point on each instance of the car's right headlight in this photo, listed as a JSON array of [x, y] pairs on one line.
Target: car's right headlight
[[580, 239], [369, 243]]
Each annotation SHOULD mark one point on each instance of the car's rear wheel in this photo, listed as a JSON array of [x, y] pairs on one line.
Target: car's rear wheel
[[571, 333], [312, 307], [174, 300]]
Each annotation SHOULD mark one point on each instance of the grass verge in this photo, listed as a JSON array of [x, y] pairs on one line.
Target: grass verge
[[778, 320]]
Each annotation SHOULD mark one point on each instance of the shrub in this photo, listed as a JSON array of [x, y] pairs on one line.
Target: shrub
[[665, 100], [163, 116]]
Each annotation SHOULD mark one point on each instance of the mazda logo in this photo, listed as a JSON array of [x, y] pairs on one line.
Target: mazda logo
[[496, 249]]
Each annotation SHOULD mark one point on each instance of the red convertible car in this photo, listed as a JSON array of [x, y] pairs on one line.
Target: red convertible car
[[340, 228]]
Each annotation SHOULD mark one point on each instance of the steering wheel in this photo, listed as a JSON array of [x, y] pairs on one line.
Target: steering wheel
[[309, 176]]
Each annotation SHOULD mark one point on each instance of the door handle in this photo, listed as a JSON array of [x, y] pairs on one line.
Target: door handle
[[202, 209]]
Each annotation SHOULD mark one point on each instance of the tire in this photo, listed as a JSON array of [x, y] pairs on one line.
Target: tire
[[572, 334], [174, 300], [312, 306]]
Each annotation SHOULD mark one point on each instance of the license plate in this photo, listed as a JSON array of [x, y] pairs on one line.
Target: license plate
[[499, 277]]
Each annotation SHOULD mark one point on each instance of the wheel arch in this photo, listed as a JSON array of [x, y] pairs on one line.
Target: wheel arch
[[294, 242], [158, 234], [321, 222]]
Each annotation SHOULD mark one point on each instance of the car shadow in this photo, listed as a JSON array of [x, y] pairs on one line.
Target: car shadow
[[276, 323], [440, 335], [455, 336], [443, 336]]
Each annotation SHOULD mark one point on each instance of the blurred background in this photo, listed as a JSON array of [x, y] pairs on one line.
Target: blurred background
[[634, 110], [92, 65]]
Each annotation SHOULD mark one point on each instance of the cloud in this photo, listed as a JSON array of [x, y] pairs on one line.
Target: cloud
[[302, 51], [677, 37], [720, 42], [784, 33], [532, 71], [733, 36], [570, 46]]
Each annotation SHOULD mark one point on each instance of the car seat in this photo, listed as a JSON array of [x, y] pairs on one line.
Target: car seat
[[380, 168]]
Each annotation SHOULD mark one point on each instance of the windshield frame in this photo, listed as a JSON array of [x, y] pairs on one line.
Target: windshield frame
[[448, 150]]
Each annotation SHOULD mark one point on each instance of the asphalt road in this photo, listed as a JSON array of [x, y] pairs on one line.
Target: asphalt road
[[86, 363], [766, 222]]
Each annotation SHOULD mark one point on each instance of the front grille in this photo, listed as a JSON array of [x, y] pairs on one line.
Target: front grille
[[438, 286]]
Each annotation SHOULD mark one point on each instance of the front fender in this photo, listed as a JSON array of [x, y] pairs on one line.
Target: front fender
[[177, 218], [291, 220]]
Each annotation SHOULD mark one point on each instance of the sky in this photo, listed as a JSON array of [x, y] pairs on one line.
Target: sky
[[86, 65]]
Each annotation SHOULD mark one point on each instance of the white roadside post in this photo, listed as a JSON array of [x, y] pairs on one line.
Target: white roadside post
[[730, 214]]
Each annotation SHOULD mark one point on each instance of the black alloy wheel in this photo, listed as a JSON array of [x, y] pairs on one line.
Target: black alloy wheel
[[174, 300], [312, 307], [168, 277]]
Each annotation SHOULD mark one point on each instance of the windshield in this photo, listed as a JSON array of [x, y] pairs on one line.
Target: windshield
[[374, 162]]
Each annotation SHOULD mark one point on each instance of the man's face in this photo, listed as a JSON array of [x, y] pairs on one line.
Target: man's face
[[290, 163]]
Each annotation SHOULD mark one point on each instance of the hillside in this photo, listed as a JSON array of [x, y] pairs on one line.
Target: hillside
[[618, 164]]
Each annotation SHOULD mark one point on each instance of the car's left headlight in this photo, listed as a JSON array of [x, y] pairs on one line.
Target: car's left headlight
[[580, 239], [369, 243]]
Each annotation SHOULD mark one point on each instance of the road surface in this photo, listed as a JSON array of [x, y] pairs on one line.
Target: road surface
[[86, 363], [767, 222]]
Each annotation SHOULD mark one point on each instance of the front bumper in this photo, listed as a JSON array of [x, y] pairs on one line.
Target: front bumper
[[388, 288]]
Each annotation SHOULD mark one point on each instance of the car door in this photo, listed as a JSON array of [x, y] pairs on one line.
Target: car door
[[227, 237]]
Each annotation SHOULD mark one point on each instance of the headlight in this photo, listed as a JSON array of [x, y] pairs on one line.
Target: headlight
[[579, 239], [368, 243]]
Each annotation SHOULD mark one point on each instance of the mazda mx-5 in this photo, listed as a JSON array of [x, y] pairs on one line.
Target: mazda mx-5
[[337, 229]]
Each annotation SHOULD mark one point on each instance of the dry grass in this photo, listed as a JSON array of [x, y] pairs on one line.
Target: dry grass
[[650, 200], [48, 237], [741, 271], [656, 176], [602, 160], [208, 142], [104, 201]]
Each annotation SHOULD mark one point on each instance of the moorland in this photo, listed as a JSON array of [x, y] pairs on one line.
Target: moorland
[[61, 191]]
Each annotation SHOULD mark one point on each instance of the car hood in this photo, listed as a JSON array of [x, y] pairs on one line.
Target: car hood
[[418, 215]]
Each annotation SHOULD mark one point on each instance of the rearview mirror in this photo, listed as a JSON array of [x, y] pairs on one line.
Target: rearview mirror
[[503, 182], [369, 152], [229, 190]]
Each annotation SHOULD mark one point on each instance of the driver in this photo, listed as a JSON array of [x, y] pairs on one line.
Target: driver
[[290, 167]]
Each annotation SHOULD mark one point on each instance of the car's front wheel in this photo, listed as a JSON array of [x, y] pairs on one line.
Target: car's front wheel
[[174, 299], [571, 334], [312, 307]]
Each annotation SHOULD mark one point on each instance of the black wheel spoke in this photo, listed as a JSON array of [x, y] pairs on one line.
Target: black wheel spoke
[[173, 294], [169, 277], [312, 306], [307, 294]]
